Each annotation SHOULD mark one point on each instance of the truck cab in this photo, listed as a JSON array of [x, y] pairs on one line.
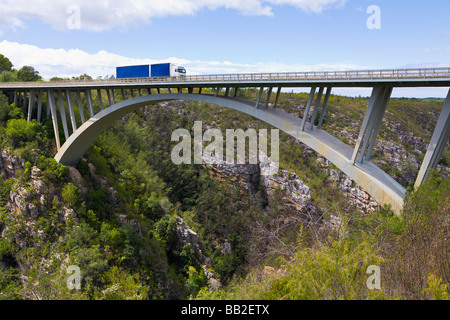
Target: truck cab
[[178, 71]]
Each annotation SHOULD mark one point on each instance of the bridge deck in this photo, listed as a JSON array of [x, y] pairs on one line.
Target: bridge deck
[[426, 77]]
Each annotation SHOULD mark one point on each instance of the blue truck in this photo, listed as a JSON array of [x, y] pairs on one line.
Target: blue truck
[[150, 71]]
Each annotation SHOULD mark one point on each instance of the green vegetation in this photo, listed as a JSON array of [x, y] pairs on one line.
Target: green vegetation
[[5, 64], [334, 267], [28, 73]]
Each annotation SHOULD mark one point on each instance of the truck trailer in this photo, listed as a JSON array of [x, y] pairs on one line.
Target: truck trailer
[[150, 71]]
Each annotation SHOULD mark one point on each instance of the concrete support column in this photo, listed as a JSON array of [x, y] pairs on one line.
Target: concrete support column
[[15, 97], [39, 108], [123, 94], [217, 91], [308, 106], [99, 95], [113, 96], [89, 102], [71, 113], [109, 97], [149, 91], [316, 108], [52, 108], [158, 90], [440, 137], [24, 105], [268, 97], [80, 106], [378, 121], [31, 105], [324, 107], [62, 111], [200, 90], [227, 91], [259, 97], [372, 120], [276, 97], [48, 111]]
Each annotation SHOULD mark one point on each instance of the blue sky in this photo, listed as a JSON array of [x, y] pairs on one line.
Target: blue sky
[[219, 36]]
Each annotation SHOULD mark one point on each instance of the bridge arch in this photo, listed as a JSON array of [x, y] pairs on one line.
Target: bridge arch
[[373, 180]]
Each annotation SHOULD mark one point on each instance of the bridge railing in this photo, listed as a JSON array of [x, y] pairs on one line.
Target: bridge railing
[[428, 73]]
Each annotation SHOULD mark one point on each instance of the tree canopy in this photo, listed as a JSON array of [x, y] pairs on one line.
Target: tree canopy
[[28, 73], [5, 64]]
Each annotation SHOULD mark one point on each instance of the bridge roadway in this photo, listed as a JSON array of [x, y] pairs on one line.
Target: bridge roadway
[[80, 131]]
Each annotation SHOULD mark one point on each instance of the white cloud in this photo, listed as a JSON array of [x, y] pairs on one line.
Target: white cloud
[[107, 14], [74, 62], [67, 63]]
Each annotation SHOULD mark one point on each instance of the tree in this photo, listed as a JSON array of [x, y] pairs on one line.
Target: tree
[[85, 77], [5, 64], [28, 73]]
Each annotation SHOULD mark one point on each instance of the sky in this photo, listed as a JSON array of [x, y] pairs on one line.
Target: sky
[[68, 38]]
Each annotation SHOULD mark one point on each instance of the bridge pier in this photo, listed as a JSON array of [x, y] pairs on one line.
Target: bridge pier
[[316, 108], [108, 93], [268, 97], [51, 102], [371, 123], [89, 102], [24, 104], [99, 96], [71, 112], [39, 107], [259, 97], [324, 107], [62, 111], [80, 105], [277, 97], [440, 137], [30, 105], [308, 106]]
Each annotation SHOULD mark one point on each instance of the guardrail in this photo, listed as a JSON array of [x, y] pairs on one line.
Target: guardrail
[[426, 73]]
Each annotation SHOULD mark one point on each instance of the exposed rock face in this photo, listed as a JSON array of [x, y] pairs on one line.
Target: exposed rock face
[[354, 193], [10, 164], [245, 175], [187, 235], [297, 193]]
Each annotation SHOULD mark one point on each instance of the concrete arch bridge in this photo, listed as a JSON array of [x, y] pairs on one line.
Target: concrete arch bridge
[[81, 124]]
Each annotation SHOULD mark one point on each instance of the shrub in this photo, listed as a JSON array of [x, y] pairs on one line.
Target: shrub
[[20, 131], [70, 194]]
